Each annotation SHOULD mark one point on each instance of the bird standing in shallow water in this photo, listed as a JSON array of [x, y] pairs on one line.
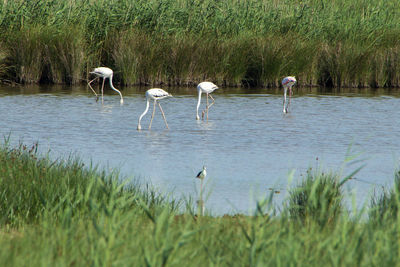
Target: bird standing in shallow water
[[207, 88], [155, 94], [287, 83], [201, 175], [104, 72]]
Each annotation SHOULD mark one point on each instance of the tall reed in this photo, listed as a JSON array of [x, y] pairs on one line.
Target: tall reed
[[66, 55], [245, 42], [26, 51], [3, 62]]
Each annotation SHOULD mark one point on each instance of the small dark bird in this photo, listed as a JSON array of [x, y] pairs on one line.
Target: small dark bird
[[202, 174]]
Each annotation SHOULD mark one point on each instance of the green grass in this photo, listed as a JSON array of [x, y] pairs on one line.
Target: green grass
[[62, 213], [318, 198], [235, 42]]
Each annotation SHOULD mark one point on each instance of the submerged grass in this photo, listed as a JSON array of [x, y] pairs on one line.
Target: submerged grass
[[245, 42], [60, 212]]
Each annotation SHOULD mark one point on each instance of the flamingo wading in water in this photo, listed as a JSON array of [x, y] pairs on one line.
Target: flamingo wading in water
[[155, 94], [104, 72], [207, 88], [287, 83]]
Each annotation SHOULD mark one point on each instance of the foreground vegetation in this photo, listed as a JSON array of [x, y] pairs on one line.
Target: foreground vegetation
[[62, 213], [177, 42]]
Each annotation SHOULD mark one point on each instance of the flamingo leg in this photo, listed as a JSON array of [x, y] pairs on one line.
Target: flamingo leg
[[207, 107], [290, 97], [162, 112], [284, 101], [97, 97], [212, 100], [102, 91], [154, 111], [204, 110]]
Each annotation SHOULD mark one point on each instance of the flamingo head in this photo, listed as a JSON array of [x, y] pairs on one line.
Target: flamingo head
[[139, 127]]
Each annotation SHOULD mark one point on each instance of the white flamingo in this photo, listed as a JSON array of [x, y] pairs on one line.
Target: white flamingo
[[207, 88], [104, 72], [287, 83], [155, 94]]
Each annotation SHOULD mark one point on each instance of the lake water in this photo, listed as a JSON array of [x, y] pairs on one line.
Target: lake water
[[248, 144]]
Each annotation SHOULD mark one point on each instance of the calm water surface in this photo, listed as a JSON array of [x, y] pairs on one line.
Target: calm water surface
[[248, 144]]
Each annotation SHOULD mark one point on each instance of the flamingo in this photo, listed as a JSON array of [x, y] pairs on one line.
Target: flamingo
[[104, 72], [287, 82], [207, 88], [155, 94]]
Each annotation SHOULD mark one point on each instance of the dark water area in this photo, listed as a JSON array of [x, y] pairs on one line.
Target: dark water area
[[248, 144]]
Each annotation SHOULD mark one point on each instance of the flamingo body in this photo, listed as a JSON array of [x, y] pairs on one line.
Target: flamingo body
[[207, 88], [287, 83], [154, 94], [157, 94], [104, 72]]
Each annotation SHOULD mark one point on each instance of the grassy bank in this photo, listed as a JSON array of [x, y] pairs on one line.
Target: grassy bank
[[236, 42], [64, 213]]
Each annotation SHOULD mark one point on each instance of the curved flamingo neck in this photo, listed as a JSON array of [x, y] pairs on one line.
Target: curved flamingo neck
[[139, 127], [198, 105], [115, 89]]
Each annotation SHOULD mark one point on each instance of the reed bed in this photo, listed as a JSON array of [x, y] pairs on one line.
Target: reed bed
[[61, 212], [236, 42]]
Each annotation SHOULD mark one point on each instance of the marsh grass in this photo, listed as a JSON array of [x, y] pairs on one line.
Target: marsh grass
[[33, 186], [61, 212], [384, 206], [128, 54], [239, 43], [46, 54], [318, 198], [3, 62], [66, 55], [26, 52]]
